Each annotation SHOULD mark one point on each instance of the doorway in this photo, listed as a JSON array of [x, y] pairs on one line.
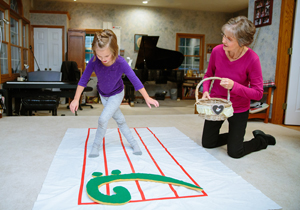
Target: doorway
[[292, 114], [48, 48]]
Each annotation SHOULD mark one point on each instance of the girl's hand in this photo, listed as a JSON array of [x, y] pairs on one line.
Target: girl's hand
[[206, 95], [150, 101], [227, 83], [74, 105]]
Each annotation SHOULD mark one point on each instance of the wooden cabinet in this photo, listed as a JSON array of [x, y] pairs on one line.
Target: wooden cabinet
[[189, 86], [76, 47]]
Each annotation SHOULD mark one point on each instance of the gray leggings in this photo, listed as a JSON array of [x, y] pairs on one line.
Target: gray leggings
[[111, 109]]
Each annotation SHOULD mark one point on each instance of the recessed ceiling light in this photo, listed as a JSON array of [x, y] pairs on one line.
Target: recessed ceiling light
[[145, 2]]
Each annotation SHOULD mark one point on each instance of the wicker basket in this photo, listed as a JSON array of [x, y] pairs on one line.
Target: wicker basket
[[216, 108]]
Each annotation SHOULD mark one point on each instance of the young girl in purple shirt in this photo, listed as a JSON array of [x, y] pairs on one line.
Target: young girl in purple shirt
[[109, 68], [240, 70]]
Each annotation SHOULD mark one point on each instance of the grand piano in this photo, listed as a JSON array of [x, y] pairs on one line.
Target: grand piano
[[155, 64]]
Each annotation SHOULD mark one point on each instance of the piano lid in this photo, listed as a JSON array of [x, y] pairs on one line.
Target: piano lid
[[152, 57]]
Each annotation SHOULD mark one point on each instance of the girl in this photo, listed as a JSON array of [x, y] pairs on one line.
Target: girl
[[109, 67]]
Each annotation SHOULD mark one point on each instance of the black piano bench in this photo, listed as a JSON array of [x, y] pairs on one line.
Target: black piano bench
[[35, 103]]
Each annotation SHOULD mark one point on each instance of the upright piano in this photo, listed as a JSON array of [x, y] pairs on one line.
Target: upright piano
[[18, 90], [155, 64]]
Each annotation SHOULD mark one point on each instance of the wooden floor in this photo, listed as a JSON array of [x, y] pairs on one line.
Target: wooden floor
[[295, 127]]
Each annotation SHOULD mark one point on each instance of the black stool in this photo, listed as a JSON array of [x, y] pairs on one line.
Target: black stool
[[35, 103]]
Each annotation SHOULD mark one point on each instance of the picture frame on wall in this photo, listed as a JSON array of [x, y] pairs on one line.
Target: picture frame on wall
[[137, 41], [262, 13], [209, 48]]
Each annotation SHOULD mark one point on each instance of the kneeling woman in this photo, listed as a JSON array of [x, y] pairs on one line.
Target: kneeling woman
[[240, 70]]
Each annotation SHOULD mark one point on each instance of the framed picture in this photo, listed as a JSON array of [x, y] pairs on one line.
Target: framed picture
[[209, 48], [137, 41], [263, 12]]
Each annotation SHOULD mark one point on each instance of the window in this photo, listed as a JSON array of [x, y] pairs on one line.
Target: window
[[2, 26], [3, 47], [15, 59], [24, 36], [14, 42], [14, 38], [4, 59], [15, 49], [191, 46], [14, 5], [88, 47]]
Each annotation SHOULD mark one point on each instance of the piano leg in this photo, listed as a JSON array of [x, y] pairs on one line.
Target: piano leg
[[8, 103], [129, 93], [179, 92], [17, 105]]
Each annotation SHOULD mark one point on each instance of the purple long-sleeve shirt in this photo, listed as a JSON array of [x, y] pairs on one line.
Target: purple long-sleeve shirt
[[110, 77], [245, 72]]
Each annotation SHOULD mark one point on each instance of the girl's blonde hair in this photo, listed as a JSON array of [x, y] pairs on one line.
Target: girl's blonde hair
[[105, 38], [242, 29]]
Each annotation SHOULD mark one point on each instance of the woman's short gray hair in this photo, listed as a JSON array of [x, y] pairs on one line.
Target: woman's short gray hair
[[242, 29]]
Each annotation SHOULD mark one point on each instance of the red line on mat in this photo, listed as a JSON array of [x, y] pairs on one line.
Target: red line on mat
[[168, 198], [105, 166], [171, 187], [157, 199], [83, 169], [131, 166], [174, 159]]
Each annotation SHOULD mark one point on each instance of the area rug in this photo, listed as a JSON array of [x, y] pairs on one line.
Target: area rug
[[167, 152]]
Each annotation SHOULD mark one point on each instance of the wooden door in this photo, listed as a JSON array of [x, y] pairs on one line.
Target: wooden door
[[283, 60], [76, 47]]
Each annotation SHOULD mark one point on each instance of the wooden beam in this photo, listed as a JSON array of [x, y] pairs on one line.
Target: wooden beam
[[283, 60], [51, 12]]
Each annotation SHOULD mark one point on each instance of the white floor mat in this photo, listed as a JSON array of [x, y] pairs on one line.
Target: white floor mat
[[166, 152]]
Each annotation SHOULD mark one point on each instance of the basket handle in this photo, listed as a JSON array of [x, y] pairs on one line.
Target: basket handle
[[209, 78]]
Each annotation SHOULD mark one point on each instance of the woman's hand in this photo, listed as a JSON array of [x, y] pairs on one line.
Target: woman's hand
[[150, 101], [227, 83], [74, 105], [206, 95]]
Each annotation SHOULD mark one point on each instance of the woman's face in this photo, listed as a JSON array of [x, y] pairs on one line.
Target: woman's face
[[105, 56], [229, 41]]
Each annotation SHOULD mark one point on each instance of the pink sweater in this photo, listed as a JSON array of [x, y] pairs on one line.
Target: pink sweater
[[245, 72]]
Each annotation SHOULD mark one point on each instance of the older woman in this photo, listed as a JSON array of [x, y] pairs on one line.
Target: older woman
[[240, 70]]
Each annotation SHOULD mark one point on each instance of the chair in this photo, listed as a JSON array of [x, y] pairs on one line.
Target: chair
[[71, 73], [263, 115]]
